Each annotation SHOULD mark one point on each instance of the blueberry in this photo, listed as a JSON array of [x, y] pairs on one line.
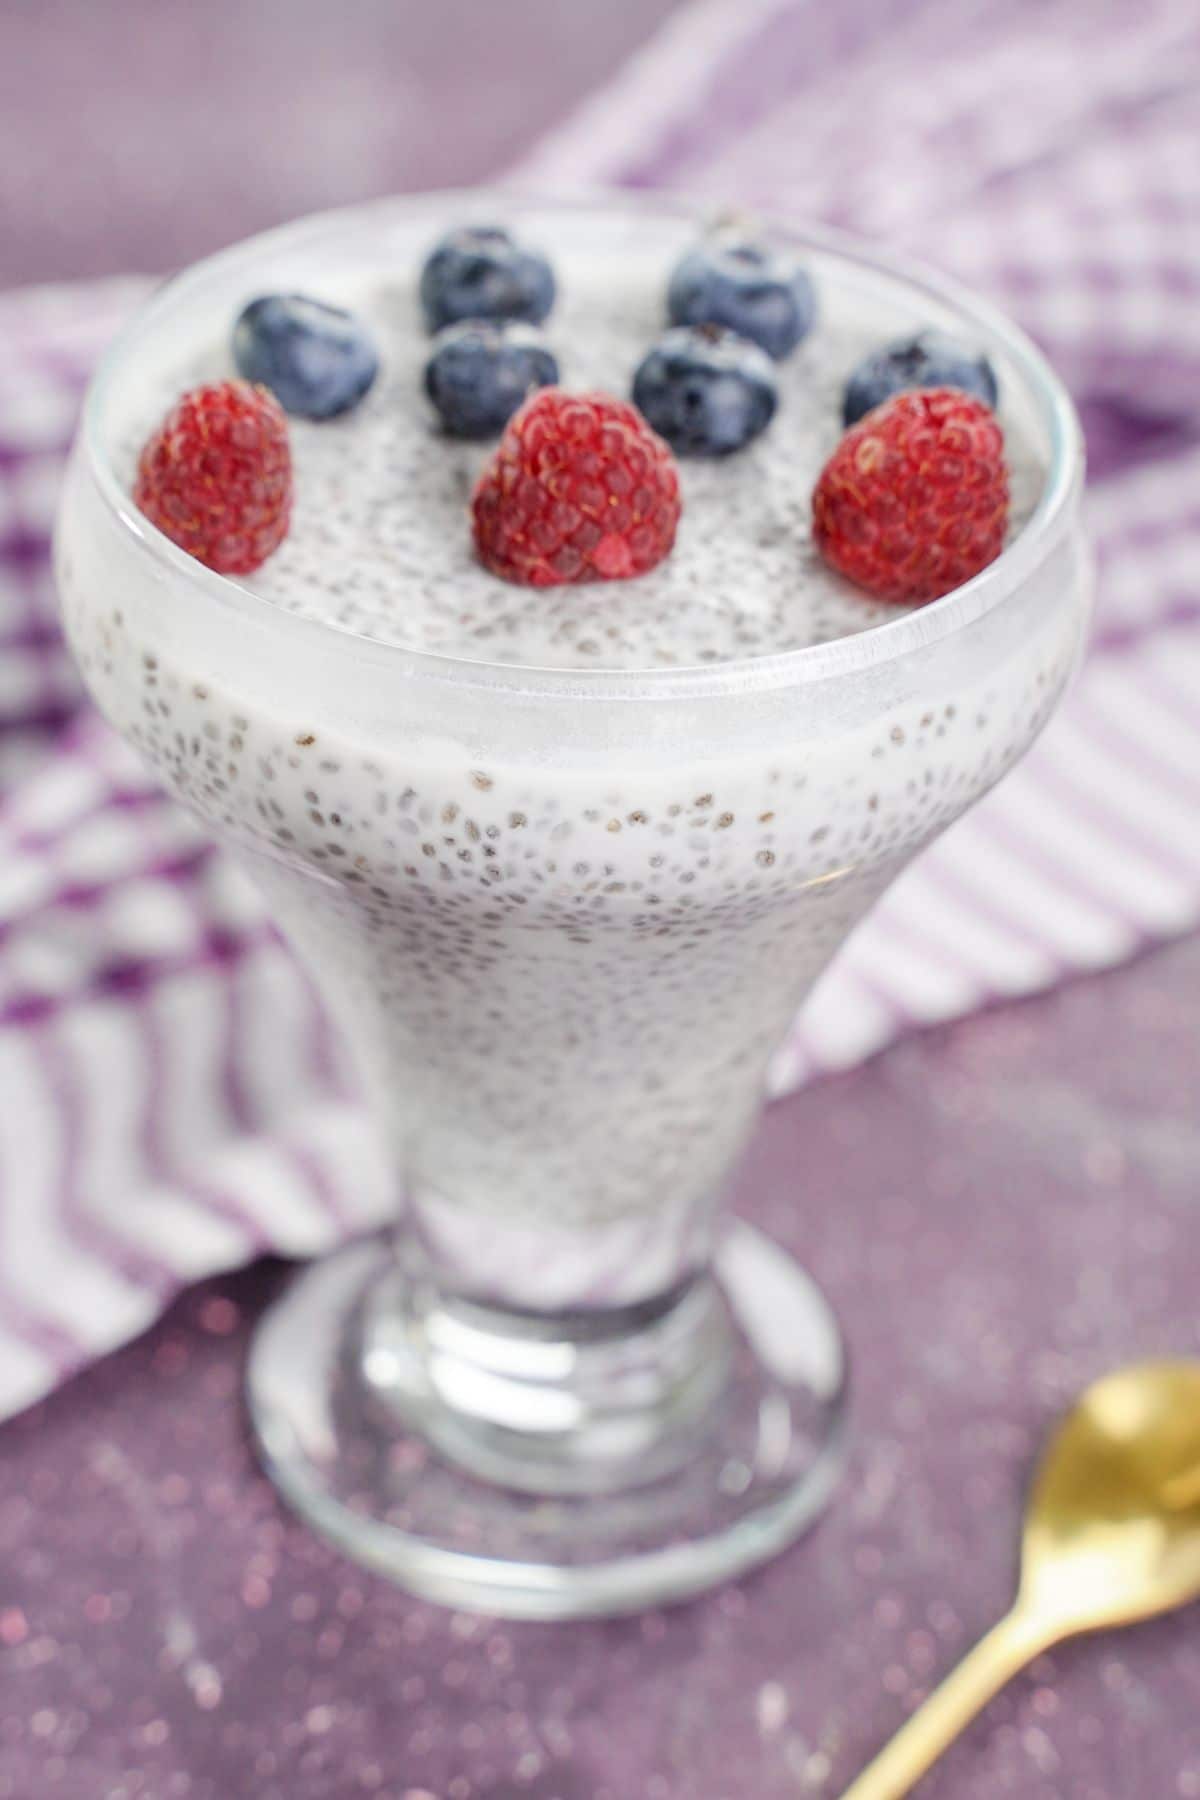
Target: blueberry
[[738, 282], [707, 391], [317, 360], [480, 272], [930, 359], [479, 373]]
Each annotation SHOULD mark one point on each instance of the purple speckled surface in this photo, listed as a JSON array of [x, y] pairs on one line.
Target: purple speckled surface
[[1001, 1211]]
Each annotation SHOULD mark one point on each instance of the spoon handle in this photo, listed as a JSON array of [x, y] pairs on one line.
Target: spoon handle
[[996, 1658]]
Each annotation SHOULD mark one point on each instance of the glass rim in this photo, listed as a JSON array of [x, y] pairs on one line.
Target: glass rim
[[847, 655]]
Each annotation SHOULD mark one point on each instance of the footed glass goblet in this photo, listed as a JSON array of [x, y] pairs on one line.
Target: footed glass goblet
[[564, 917]]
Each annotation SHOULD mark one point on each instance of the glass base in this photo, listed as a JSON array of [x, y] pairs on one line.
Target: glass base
[[553, 1468]]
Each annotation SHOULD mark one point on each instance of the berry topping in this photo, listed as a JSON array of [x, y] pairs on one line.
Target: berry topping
[[216, 477], [930, 359], [914, 500], [317, 360], [479, 373], [480, 272], [707, 391], [736, 281], [579, 489]]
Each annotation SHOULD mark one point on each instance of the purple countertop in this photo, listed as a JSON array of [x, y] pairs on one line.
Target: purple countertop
[[1001, 1211]]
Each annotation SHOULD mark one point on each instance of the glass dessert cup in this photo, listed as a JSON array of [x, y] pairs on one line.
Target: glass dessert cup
[[562, 1382]]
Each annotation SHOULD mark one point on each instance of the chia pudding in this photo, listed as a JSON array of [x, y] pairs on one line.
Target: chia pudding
[[564, 861]]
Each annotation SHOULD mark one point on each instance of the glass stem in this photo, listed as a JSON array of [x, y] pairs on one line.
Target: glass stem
[[580, 1401]]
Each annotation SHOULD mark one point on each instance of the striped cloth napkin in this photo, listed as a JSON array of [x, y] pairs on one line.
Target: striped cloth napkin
[[171, 1097]]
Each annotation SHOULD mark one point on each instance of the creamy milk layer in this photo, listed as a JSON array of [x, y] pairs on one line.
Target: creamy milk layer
[[380, 544], [563, 937]]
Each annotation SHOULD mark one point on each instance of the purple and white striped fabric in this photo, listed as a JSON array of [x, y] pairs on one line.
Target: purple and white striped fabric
[[171, 1099]]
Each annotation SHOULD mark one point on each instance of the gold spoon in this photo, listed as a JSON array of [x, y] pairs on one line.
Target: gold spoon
[[1112, 1534]]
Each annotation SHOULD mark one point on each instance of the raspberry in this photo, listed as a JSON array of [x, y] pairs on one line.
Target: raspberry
[[580, 489], [914, 500], [216, 477]]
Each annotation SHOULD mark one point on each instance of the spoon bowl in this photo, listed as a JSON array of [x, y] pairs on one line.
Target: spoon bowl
[[1112, 1530]]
